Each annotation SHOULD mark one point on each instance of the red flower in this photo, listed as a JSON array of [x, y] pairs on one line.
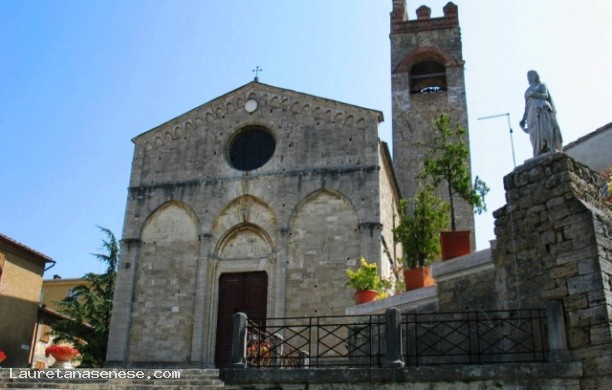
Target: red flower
[[259, 350], [62, 349], [2, 356]]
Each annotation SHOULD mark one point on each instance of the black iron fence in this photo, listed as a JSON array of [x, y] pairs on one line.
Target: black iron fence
[[418, 339], [475, 337], [332, 341]]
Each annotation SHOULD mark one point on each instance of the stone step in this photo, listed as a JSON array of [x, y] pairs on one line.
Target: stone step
[[110, 385], [207, 379], [65, 383]]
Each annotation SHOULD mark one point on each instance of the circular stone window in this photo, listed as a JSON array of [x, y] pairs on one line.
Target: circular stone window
[[251, 148]]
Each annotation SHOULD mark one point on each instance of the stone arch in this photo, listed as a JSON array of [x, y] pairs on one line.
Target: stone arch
[[244, 236], [349, 120], [285, 104], [245, 210], [429, 53], [427, 69], [328, 115], [275, 102], [159, 141], [178, 132], [338, 117], [199, 122], [361, 123], [189, 126], [229, 107], [323, 240], [209, 117], [172, 221], [165, 288], [244, 241], [263, 99], [295, 107]]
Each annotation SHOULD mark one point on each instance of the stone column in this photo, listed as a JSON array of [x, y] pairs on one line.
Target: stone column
[[557, 338], [118, 338], [197, 339], [239, 341], [393, 338]]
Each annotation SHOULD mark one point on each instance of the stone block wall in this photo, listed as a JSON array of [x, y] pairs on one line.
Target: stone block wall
[[553, 244], [309, 212], [466, 283]]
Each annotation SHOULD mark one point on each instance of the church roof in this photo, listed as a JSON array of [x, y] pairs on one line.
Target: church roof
[[244, 91]]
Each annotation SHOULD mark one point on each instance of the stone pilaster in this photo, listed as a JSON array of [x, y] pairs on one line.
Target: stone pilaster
[[118, 339]]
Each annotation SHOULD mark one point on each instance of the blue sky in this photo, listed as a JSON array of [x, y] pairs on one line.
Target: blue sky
[[80, 79]]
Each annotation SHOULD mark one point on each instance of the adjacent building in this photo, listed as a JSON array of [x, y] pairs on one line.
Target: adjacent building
[[21, 278]]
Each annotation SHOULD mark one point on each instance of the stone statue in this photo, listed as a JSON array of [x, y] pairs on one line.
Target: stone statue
[[540, 117]]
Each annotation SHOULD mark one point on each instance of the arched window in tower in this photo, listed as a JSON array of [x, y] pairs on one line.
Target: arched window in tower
[[428, 76]]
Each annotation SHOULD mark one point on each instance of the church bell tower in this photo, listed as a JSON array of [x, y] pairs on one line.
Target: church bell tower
[[426, 80]]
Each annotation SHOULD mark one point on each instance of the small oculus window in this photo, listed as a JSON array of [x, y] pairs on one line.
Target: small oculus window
[[251, 148]]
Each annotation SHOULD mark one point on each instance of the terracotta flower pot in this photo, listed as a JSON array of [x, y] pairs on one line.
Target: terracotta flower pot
[[417, 278], [455, 244], [61, 356], [62, 360], [364, 296]]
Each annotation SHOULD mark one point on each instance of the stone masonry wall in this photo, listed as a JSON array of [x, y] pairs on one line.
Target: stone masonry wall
[[416, 41], [553, 243], [303, 217]]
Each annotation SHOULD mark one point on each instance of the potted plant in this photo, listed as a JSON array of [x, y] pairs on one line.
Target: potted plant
[[366, 281], [418, 232], [446, 161], [62, 353]]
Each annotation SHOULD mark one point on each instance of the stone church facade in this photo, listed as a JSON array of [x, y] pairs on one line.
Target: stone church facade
[[315, 192], [260, 199]]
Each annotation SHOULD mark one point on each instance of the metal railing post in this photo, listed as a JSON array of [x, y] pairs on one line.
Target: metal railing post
[[239, 341], [393, 338]]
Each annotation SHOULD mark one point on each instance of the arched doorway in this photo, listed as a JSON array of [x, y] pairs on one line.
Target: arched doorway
[[245, 292]]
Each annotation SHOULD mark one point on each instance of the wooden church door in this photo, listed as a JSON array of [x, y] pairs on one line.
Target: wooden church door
[[245, 292]]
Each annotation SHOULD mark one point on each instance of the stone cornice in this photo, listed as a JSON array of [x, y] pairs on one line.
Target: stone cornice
[[140, 192], [268, 97]]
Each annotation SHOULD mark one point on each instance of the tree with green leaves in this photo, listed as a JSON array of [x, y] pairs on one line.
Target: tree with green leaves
[[446, 160], [418, 230], [89, 308]]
